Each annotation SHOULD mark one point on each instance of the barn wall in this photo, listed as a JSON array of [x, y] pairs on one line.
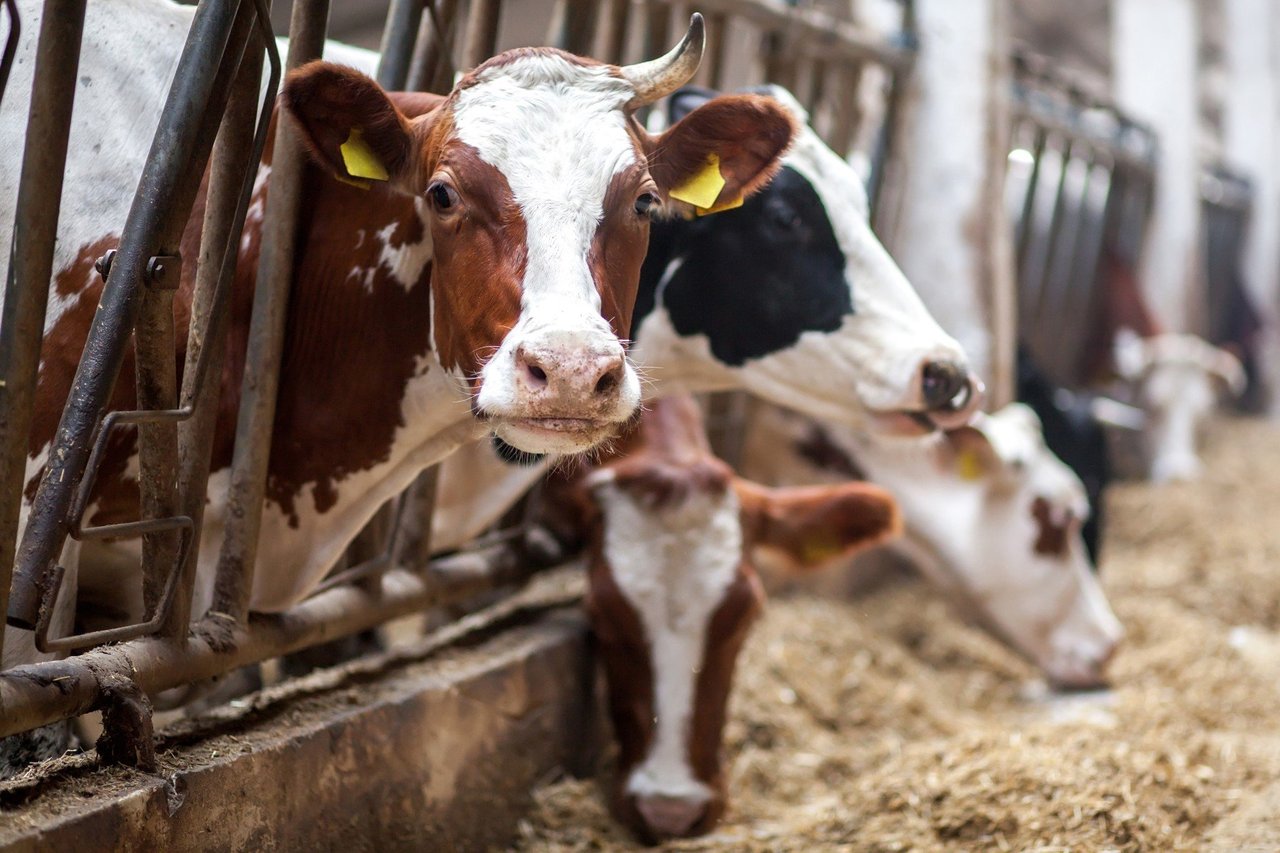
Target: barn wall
[[1154, 44]]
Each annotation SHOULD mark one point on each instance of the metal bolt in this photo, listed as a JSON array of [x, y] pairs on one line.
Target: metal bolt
[[103, 264]]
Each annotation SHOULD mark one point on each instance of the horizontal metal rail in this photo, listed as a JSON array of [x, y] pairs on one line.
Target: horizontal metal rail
[[44, 693]]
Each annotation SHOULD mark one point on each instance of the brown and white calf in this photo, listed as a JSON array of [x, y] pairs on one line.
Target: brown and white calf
[[673, 594], [486, 287]]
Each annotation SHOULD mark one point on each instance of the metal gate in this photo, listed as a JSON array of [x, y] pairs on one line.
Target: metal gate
[[1080, 181]]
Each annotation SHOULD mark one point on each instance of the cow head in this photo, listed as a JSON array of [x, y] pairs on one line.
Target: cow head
[[1017, 558], [792, 297], [1178, 379], [538, 185], [671, 599]]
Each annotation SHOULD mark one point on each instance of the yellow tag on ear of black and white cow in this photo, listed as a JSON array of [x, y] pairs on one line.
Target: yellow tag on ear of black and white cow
[[360, 160], [704, 188], [969, 465]]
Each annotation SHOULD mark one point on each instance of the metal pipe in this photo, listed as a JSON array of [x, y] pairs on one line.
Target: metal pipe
[[10, 44], [38, 694], [398, 37], [617, 18], [235, 165], [578, 25], [165, 192], [245, 495], [31, 256], [482, 31]]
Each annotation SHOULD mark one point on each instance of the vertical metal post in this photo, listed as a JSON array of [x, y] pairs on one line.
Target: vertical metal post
[[31, 256], [234, 165], [579, 25], [266, 337], [398, 37], [482, 31], [616, 19], [11, 44], [717, 32]]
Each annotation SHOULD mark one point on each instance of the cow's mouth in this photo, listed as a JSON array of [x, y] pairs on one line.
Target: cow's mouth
[[552, 435]]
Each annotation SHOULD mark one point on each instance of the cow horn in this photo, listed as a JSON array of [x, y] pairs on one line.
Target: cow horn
[[659, 77]]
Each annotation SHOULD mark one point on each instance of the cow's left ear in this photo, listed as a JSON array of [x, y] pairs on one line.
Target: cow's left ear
[[350, 126], [722, 151], [811, 526]]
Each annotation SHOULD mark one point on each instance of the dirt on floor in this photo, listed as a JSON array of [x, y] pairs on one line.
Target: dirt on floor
[[885, 724]]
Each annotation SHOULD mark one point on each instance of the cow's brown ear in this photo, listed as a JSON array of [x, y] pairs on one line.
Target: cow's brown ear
[[812, 526], [349, 124], [721, 152]]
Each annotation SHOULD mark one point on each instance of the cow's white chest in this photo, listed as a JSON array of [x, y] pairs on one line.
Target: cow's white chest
[[674, 566]]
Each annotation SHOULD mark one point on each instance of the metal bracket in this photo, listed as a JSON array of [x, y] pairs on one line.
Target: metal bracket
[[128, 734], [164, 272]]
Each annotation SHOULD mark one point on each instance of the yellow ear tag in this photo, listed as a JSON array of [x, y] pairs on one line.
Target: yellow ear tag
[[704, 188], [360, 160], [968, 465]]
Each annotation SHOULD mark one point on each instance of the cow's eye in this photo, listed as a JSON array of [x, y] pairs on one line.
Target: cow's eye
[[645, 202], [442, 196]]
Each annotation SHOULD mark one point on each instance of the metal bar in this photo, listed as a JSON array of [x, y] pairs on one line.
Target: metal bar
[[235, 165], [847, 116], [482, 31], [438, 61], [617, 17], [39, 694], [1026, 220], [10, 44], [578, 26], [717, 30], [246, 492], [31, 256], [169, 181], [398, 37]]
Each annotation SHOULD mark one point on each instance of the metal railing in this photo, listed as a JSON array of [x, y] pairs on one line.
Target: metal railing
[[1079, 187], [213, 123]]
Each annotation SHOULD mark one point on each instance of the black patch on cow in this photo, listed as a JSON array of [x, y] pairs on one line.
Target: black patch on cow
[[752, 279], [514, 455]]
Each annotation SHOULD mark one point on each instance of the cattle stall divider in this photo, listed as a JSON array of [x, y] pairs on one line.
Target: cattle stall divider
[[215, 116], [1079, 189]]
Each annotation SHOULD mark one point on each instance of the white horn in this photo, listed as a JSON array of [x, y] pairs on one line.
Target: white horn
[[659, 77]]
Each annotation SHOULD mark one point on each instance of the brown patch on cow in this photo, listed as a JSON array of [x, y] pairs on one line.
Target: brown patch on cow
[[1052, 538], [1116, 303], [352, 342], [482, 251], [819, 450], [618, 248], [727, 632]]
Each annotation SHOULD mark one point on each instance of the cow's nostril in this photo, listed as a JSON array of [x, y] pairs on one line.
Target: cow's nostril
[[607, 383], [941, 382], [537, 373], [532, 366]]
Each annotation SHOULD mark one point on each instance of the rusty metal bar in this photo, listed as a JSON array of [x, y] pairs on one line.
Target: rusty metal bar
[[398, 37], [234, 167], [10, 44], [39, 694], [31, 256], [163, 199], [482, 31], [437, 63], [245, 495]]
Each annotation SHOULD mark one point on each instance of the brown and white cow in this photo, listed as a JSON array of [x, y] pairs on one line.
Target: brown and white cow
[[485, 287], [673, 594]]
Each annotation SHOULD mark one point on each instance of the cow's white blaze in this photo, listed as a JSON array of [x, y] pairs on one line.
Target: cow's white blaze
[[674, 565], [577, 114]]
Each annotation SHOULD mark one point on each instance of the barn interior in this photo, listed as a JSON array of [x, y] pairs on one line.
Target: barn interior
[[1081, 193]]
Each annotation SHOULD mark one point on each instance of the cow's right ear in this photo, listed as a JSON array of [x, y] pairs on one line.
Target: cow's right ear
[[350, 126]]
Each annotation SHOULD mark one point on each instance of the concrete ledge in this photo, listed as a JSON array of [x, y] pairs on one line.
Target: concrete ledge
[[435, 755]]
